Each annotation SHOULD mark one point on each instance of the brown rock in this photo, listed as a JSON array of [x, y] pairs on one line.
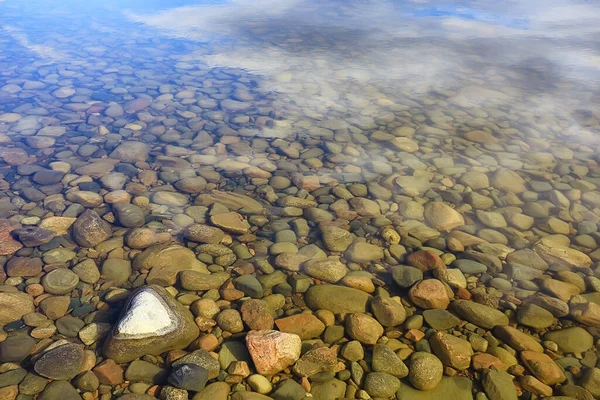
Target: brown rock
[[554, 253], [363, 328], [307, 326], [482, 361], [586, 313], [24, 266], [58, 225], [451, 350], [109, 373], [425, 260], [13, 306], [90, 230], [517, 339], [273, 351], [231, 222], [543, 368], [442, 217], [314, 361], [9, 392], [8, 245], [55, 307], [560, 289], [428, 294], [34, 236], [256, 315], [534, 386]]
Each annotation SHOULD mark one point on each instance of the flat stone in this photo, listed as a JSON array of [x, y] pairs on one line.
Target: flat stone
[[129, 215], [479, 314], [62, 362], [362, 252], [440, 320], [451, 350], [498, 385], [34, 236], [517, 339], [231, 222], [233, 201], [337, 299], [60, 281], [330, 270], [363, 328], [151, 322], [189, 377], [405, 276], [13, 305], [385, 360], [543, 367], [131, 151], [442, 217], [381, 384], [388, 311], [306, 326], [554, 253], [571, 340], [204, 359], [144, 371], [59, 390]]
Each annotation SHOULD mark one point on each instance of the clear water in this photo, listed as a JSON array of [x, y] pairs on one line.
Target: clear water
[[532, 66]]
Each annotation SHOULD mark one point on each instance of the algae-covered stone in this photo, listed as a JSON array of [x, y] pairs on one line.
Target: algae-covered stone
[[479, 314], [337, 299]]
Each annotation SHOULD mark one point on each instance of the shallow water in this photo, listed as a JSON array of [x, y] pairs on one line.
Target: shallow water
[[376, 117]]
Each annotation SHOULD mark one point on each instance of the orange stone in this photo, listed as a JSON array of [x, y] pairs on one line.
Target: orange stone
[[543, 368], [307, 326], [485, 361], [109, 373]]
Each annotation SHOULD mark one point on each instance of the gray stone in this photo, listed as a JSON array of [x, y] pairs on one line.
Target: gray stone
[[129, 215], [406, 276], [116, 271], [59, 390], [189, 377], [62, 362], [60, 281]]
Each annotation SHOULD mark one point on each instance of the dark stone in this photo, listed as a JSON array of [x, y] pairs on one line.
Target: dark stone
[[16, 348], [90, 187], [189, 377], [34, 236], [47, 177], [13, 377], [60, 363], [59, 390], [90, 230], [249, 285], [129, 215], [69, 325]]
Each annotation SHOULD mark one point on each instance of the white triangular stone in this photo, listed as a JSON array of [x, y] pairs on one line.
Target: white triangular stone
[[147, 315]]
